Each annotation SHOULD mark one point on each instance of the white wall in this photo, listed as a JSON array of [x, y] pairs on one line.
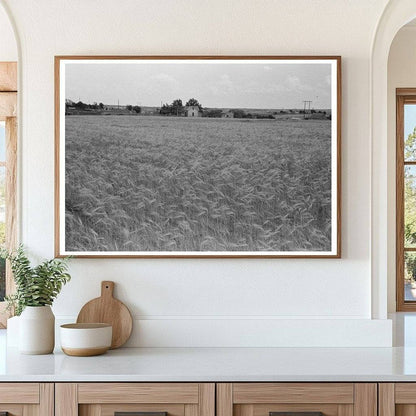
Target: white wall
[[181, 301], [401, 74], [8, 47]]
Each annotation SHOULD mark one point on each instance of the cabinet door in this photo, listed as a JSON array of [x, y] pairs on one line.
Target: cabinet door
[[397, 399], [297, 399], [144, 399], [26, 399]]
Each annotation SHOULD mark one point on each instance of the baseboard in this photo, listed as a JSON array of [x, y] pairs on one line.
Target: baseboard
[[165, 332]]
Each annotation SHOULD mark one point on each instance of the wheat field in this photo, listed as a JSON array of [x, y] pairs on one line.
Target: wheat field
[[195, 184]]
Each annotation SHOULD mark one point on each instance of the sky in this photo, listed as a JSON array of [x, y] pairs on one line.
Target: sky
[[258, 84], [409, 119]]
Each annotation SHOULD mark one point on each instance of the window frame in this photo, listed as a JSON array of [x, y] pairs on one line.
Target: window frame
[[8, 113]]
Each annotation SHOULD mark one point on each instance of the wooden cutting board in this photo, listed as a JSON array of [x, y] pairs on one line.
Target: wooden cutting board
[[107, 309]]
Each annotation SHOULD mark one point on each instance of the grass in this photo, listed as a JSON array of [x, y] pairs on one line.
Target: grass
[[181, 184]]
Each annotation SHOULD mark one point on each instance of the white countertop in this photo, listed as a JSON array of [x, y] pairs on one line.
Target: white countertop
[[213, 364]]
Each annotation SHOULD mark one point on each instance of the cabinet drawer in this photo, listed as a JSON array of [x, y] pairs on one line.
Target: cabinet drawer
[[153, 399], [19, 393], [138, 393], [22, 399], [297, 399], [143, 409]]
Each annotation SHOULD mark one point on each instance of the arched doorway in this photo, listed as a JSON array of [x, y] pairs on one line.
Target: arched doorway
[[396, 14]]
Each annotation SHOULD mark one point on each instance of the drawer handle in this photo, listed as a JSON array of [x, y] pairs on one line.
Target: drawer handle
[[296, 414], [138, 414]]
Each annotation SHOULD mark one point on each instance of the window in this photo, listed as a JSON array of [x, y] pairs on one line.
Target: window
[[2, 206], [8, 165], [406, 199]]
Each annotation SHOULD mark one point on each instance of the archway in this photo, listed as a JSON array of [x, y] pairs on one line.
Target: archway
[[8, 44], [396, 14]]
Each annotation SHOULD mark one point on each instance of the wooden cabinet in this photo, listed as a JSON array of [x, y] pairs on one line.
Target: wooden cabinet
[[27, 399], [208, 399], [297, 399], [397, 399], [106, 399]]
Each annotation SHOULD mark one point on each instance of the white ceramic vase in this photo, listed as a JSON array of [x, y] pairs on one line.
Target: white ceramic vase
[[13, 331], [37, 330]]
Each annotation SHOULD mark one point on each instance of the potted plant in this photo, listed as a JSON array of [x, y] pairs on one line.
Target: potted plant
[[36, 289]]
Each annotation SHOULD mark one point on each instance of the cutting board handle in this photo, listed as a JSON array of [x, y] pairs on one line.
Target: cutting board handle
[[107, 289]]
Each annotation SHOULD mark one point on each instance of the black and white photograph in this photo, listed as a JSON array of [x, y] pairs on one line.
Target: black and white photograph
[[204, 157]]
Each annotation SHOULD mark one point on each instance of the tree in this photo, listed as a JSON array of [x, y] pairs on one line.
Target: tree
[[165, 110], [410, 269], [410, 146], [193, 102], [239, 114], [410, 203], [215, 113], [410, 190], [129, 107], [101, 105], [80, 105], [176, 107], [137, 109]]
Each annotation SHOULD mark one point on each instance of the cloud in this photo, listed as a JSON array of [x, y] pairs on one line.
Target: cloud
[[328, 79], [165, 79], [224, 85], [225, 82], [293, 82], [158, 87]]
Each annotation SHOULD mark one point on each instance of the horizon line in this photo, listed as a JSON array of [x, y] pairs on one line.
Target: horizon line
[[222, 108]]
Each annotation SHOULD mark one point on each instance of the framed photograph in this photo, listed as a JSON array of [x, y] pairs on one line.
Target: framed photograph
[[198, 156]]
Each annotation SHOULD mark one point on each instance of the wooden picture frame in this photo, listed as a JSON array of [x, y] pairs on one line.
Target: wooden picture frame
[[247, 212]]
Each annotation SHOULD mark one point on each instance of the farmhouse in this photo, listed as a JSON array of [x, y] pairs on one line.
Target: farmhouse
[[227, 114], [193, 111]]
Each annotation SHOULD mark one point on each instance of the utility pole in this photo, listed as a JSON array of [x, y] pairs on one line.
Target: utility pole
[[306, 107]]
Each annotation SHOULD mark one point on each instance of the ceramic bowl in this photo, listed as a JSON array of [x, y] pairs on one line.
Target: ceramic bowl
[[83, 340]]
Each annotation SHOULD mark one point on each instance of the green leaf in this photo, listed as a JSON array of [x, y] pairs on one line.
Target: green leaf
[[35, 286]]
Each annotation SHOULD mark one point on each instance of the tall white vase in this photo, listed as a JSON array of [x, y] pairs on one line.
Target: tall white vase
[[37, 330], [13, 331]]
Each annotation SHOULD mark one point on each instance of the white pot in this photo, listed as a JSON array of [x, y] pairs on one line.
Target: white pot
[[13, 331], [37, 330], [86, 339]]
